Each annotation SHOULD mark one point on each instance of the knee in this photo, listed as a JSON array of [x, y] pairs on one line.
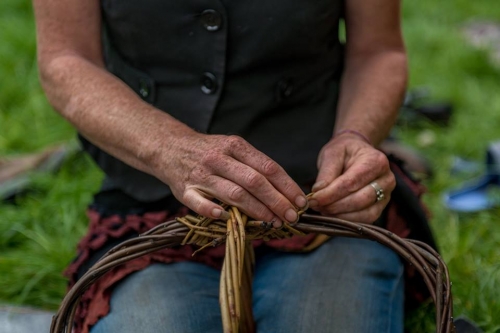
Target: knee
[[367, 253]]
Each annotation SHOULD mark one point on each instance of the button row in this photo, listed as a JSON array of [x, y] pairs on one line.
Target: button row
[[285, 87], [211, 21]]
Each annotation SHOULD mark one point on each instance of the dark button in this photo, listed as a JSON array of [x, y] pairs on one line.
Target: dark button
[[211, 20], [144, 88], [208, 83], [285, 88]]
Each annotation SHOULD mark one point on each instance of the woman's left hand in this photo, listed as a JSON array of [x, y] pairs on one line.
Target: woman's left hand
[[347, 167]]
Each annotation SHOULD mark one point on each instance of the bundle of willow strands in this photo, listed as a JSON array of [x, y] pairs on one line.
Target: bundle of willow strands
[[237, 270], [236, 275], [235, 294]]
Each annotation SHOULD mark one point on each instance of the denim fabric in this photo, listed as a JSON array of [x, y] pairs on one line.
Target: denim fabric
[[347, 285]]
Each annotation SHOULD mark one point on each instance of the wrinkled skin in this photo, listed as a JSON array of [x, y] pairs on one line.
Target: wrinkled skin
[[347, 165], [230, 169]]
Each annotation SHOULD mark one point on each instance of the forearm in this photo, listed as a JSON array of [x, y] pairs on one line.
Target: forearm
[[371, 93], [107, 112], [197, 167]]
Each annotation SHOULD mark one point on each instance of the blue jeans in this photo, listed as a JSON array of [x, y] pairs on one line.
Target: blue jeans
[[347, 285]]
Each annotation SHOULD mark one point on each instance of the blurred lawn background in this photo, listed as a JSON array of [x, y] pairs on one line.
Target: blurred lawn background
[[39, 233]]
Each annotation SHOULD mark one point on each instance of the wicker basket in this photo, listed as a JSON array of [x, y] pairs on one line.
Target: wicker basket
[[236, 275]]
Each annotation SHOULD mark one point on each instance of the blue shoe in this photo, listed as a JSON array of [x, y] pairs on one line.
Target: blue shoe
[[482, 193]]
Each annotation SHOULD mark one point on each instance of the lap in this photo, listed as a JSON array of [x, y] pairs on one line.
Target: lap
[[173, 298], [347, 285]]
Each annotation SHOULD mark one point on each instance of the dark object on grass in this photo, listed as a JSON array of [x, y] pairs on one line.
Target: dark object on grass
[[418, 105], [464, 325], [15, 172]]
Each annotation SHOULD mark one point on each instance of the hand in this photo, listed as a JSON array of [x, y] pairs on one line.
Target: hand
[[347, 166], [201, 167]]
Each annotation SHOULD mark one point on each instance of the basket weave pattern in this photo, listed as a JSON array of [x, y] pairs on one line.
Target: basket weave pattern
[[236, 276]]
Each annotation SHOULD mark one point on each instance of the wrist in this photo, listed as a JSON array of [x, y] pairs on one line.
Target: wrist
[[354, 133], [164, 143]]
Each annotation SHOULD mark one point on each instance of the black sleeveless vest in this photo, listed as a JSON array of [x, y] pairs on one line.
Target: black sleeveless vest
[[265, 70]]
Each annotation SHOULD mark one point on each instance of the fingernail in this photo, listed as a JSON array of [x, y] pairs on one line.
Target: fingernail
[[291, 215], [301, 201], [313, 203], [318, 186], [277, 223], [220, 214]]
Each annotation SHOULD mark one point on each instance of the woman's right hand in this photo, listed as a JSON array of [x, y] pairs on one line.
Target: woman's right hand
[[200, 167], [108, 113]]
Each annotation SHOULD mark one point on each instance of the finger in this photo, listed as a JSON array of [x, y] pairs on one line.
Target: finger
[[330, 166], [258, 186], [272, 171], [352, 180], [369, 215], [198, 203], [235, 195], [357, 201]]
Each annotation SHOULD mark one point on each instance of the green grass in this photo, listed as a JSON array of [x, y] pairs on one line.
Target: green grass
[[441, 60], [38, 235]]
